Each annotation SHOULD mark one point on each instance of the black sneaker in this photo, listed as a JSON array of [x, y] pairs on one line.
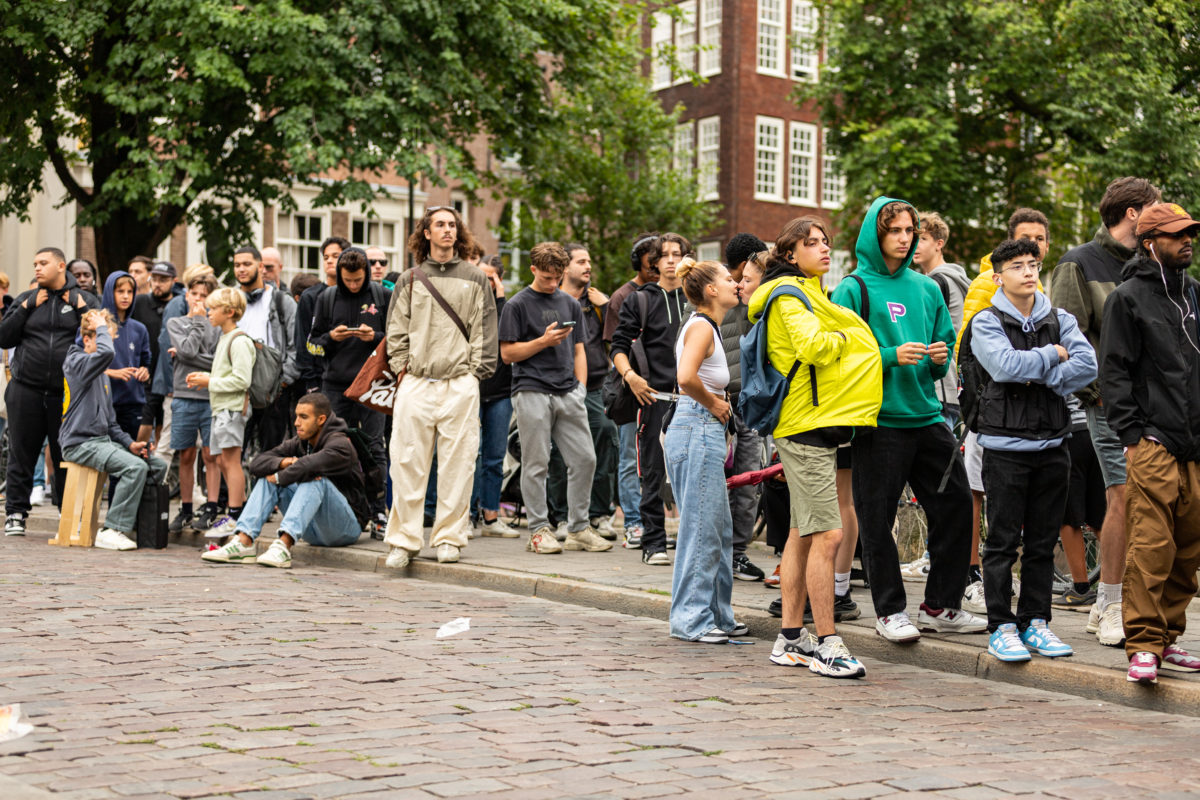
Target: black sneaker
[[1074, 601], [844, 608], [15, 525], [776, 607], [206, 518], [182, 520], [744, 570]]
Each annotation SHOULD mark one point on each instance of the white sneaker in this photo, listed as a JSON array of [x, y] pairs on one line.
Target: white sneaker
[[897, 628], [915, 570], [224, 526], [398, 558], [498, 528], [1093, 623], [447, 554], [277, 555], [796, 652], [560, 533], [109, 539], [232, 552], [14, 525], [973, 599], [951, 620], [604, 528], [587, 539], [37, 497], [1112, 628], [833, 660]]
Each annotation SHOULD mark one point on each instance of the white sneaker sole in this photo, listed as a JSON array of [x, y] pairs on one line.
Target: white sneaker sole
[[880, 630], [790, 660], [273, 565]]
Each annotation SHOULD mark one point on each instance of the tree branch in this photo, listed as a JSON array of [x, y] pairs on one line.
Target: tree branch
[[61, 168]]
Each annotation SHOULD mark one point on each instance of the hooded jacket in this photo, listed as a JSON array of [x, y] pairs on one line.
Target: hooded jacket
[[905, 306], [132, 345], [87, 398], [1006, 364], [1149, 362], [979, 295], [1081, 283], [664, 314], [43, 334], [954, 277], [148, 310], [834, 340], [332, 458], [421, 337], [337, 305]]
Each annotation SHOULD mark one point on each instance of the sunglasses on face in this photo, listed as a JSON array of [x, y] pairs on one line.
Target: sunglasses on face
[[380, 261]]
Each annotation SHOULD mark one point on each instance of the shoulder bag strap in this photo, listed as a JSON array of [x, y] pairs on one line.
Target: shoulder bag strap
[[420, 275], [865, 302]]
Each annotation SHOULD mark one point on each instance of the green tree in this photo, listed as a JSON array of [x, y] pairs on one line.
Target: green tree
[[974, 109], [603, 171], [197, 109]]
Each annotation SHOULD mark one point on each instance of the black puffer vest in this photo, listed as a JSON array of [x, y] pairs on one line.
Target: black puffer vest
[[1025, 410]]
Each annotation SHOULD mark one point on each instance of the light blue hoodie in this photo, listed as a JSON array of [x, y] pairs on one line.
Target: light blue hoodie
[[1006, 364]]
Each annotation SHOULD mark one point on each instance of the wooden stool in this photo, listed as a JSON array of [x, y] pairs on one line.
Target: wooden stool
[[80, 506]]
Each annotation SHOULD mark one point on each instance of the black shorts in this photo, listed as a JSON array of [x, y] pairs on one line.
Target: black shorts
[[152, 414], [843, 457], [1086, 501]]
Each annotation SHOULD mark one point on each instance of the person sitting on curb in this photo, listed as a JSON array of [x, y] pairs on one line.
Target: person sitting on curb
[[315, 479], [90, 435]]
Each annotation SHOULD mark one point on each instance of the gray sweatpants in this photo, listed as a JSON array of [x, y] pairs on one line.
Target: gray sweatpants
[[130, 471], [563, 418]]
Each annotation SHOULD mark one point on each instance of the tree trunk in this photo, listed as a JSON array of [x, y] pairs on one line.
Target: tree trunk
[[124, 235]]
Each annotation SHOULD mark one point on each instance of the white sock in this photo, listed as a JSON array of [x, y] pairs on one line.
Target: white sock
[[841, 583], [1108, 593]]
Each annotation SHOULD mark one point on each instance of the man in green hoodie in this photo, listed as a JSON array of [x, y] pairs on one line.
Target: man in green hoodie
[[912, 444]]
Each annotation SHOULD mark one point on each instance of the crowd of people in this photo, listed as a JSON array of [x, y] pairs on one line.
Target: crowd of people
[[905, 374]]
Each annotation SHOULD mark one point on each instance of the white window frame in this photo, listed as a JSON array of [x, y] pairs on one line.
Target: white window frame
[[686, 33], [802, 164], [292, 247], [661, 34], [460, 203], [710, 37], [805, 50], [394, 250], [765, 153], [683, 158], [771, 37], [708, 156], [708, 251], [839, 267], [833, 185]]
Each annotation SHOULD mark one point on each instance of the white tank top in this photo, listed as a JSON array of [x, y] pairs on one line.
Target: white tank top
[[714, 370]]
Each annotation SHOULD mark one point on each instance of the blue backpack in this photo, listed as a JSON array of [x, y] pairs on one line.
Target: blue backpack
[[764, 387]]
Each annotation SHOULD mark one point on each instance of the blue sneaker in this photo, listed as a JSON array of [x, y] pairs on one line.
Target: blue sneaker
[[1005, 644], [1040, 639]]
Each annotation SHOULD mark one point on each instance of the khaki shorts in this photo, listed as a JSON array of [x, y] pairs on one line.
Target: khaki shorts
[[228, 430], [812, 486]]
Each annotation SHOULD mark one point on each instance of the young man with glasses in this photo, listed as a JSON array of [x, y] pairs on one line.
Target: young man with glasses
[[1081, 283], [1150, 377], [1033, 356]]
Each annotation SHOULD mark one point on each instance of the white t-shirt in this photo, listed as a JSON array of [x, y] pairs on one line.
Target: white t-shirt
[[257, 319]]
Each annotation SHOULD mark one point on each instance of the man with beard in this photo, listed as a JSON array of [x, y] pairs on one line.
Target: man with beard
[[1150, 380], [41, 325], [270, 318], [148, 310]]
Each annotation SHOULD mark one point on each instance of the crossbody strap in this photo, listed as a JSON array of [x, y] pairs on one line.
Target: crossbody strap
[[420, 275]]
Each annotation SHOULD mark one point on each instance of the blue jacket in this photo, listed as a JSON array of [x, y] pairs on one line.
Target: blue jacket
[[1006, 364], [131, 348]]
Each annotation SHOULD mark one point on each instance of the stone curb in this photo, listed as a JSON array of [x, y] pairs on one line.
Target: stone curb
[[1060, 675]]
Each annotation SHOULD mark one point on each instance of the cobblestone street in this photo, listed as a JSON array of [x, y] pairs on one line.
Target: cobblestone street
[[149, 674]]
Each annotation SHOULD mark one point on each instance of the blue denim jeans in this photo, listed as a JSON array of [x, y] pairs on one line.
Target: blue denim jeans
[[702, 586], [629, 486], [314, 511], [494, 419]]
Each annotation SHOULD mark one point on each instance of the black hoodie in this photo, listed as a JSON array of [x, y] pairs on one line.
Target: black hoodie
[[334, 459], [1150, 358], [337, 305], [664, 312], [43, 334]]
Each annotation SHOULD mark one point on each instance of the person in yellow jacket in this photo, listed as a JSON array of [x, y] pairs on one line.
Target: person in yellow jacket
[[837, 386], [1025, 223]]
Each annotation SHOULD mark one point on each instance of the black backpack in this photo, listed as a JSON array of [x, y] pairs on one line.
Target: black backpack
[[973, 379], [373, 475]]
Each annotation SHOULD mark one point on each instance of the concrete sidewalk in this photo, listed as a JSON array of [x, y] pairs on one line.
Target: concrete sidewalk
[[618, 581]]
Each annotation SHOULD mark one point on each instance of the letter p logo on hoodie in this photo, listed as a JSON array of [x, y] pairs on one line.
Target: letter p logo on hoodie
[[896, 310]]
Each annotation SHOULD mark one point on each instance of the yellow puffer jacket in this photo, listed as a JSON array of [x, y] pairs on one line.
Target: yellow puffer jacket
[[840, 349], [979, 295]]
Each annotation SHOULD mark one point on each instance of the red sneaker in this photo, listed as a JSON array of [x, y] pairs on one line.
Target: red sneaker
[[1180, 660], [772, 580], [1143, 669]]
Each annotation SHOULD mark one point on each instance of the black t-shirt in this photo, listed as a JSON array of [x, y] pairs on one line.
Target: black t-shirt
[[524, 318]]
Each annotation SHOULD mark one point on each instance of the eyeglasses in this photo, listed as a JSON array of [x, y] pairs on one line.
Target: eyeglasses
[[1035, 268], [380, 261]]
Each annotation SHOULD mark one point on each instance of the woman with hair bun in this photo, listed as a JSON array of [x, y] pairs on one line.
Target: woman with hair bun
[[694, 448]]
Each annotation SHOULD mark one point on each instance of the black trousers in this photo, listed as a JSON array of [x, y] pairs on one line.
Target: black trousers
[[1025, 491], [369, 421], [653, 470], [34, 415], [268, 427], [884, 460]]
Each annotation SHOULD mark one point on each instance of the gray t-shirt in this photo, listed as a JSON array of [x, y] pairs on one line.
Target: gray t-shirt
[[525, 317], [195, 341]]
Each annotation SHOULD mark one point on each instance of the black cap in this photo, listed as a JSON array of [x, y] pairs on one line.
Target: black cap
[[163, 268]]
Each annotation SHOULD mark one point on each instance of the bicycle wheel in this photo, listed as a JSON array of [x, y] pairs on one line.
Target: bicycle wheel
[[1062, 572]]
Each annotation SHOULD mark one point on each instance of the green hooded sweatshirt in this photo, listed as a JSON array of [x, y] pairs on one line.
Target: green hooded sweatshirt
[[905, 306]]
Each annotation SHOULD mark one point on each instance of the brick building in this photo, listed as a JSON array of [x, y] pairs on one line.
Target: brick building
[[757, 154]]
